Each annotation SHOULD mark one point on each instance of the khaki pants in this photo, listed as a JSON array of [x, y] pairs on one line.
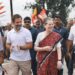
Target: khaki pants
[[1, 57], [15, 66]]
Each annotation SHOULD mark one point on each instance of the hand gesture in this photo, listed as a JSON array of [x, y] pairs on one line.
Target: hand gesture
[[47, 48]]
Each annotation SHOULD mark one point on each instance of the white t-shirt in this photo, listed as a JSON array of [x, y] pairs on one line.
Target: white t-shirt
[[41, 36], [19, 38], [72, 34]]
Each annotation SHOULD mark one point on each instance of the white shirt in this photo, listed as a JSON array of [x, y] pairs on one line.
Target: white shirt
[[41, 36], [19, 38], [72, 34]]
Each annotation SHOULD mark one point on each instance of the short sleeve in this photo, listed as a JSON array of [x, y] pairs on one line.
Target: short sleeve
[[58, 45], [37, 40], [28, 36], [8, 40], [71, 36]]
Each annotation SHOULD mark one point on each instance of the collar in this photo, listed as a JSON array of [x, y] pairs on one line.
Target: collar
[[57, 27], [18, 31]]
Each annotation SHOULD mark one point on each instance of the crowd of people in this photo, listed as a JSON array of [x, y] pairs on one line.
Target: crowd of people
[[38, 49]]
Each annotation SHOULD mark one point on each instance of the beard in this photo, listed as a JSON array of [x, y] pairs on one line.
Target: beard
[[18, 27]]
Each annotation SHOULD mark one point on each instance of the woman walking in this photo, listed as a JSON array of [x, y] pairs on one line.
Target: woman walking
[[48, 50]]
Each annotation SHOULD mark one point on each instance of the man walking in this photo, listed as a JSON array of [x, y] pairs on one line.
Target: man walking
[[19, 41]]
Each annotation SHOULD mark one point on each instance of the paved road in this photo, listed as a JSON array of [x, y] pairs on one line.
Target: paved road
[[65, 69]]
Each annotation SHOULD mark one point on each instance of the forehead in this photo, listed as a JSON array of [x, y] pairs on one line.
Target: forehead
[[49, 21], [36, 22], [18, 20], [57, 19]]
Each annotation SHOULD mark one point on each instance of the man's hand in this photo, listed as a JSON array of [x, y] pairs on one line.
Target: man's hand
[[11, 48], [15, 48]]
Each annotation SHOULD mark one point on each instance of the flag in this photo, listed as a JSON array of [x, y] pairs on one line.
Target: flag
[[1, 8], [34, 15], [42, 15]]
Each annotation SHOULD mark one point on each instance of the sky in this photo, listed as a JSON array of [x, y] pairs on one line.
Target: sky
[[5, 17], [19, 5], [18, 8]]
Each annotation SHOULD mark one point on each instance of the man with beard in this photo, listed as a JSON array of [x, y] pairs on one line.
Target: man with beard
[[19, 42], [59, 28]]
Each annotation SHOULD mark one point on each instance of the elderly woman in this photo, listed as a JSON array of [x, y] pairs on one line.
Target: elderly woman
[[48, 49]]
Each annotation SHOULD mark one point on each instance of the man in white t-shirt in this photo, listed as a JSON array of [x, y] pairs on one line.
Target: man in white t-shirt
[[71, 39], [71, 46], [19, 41]]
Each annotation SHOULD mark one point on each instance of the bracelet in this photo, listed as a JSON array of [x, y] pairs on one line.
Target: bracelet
[[59, 60]]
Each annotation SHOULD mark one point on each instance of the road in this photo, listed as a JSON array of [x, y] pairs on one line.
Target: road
[[65, 69]]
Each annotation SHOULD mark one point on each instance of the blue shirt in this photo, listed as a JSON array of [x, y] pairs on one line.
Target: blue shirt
[[64, 33]]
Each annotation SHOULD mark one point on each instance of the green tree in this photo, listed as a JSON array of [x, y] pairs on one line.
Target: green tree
[[58, 6]]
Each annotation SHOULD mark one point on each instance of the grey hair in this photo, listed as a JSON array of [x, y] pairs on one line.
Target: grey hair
[[47, 19]]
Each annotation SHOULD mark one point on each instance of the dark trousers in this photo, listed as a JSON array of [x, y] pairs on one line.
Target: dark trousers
[[1, 69], [60, 72], [34, 67], [34, 62], [69, 64]]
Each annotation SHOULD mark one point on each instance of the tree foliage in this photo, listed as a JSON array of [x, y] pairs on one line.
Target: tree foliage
[[57, 6]]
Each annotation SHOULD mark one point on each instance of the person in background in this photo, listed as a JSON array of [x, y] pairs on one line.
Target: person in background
[[48, 50], [19, 42], [59, 28], [27, 24], [8, 28], [38, 25], [1, 49], [71, 49], [69, 61], [70, 23]]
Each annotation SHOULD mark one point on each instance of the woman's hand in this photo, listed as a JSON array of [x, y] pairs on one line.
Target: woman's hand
[[59, 64], [47, 48]]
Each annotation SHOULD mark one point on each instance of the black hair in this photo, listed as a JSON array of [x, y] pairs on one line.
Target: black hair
[[15, 17], [27, 18], [57, 16]]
